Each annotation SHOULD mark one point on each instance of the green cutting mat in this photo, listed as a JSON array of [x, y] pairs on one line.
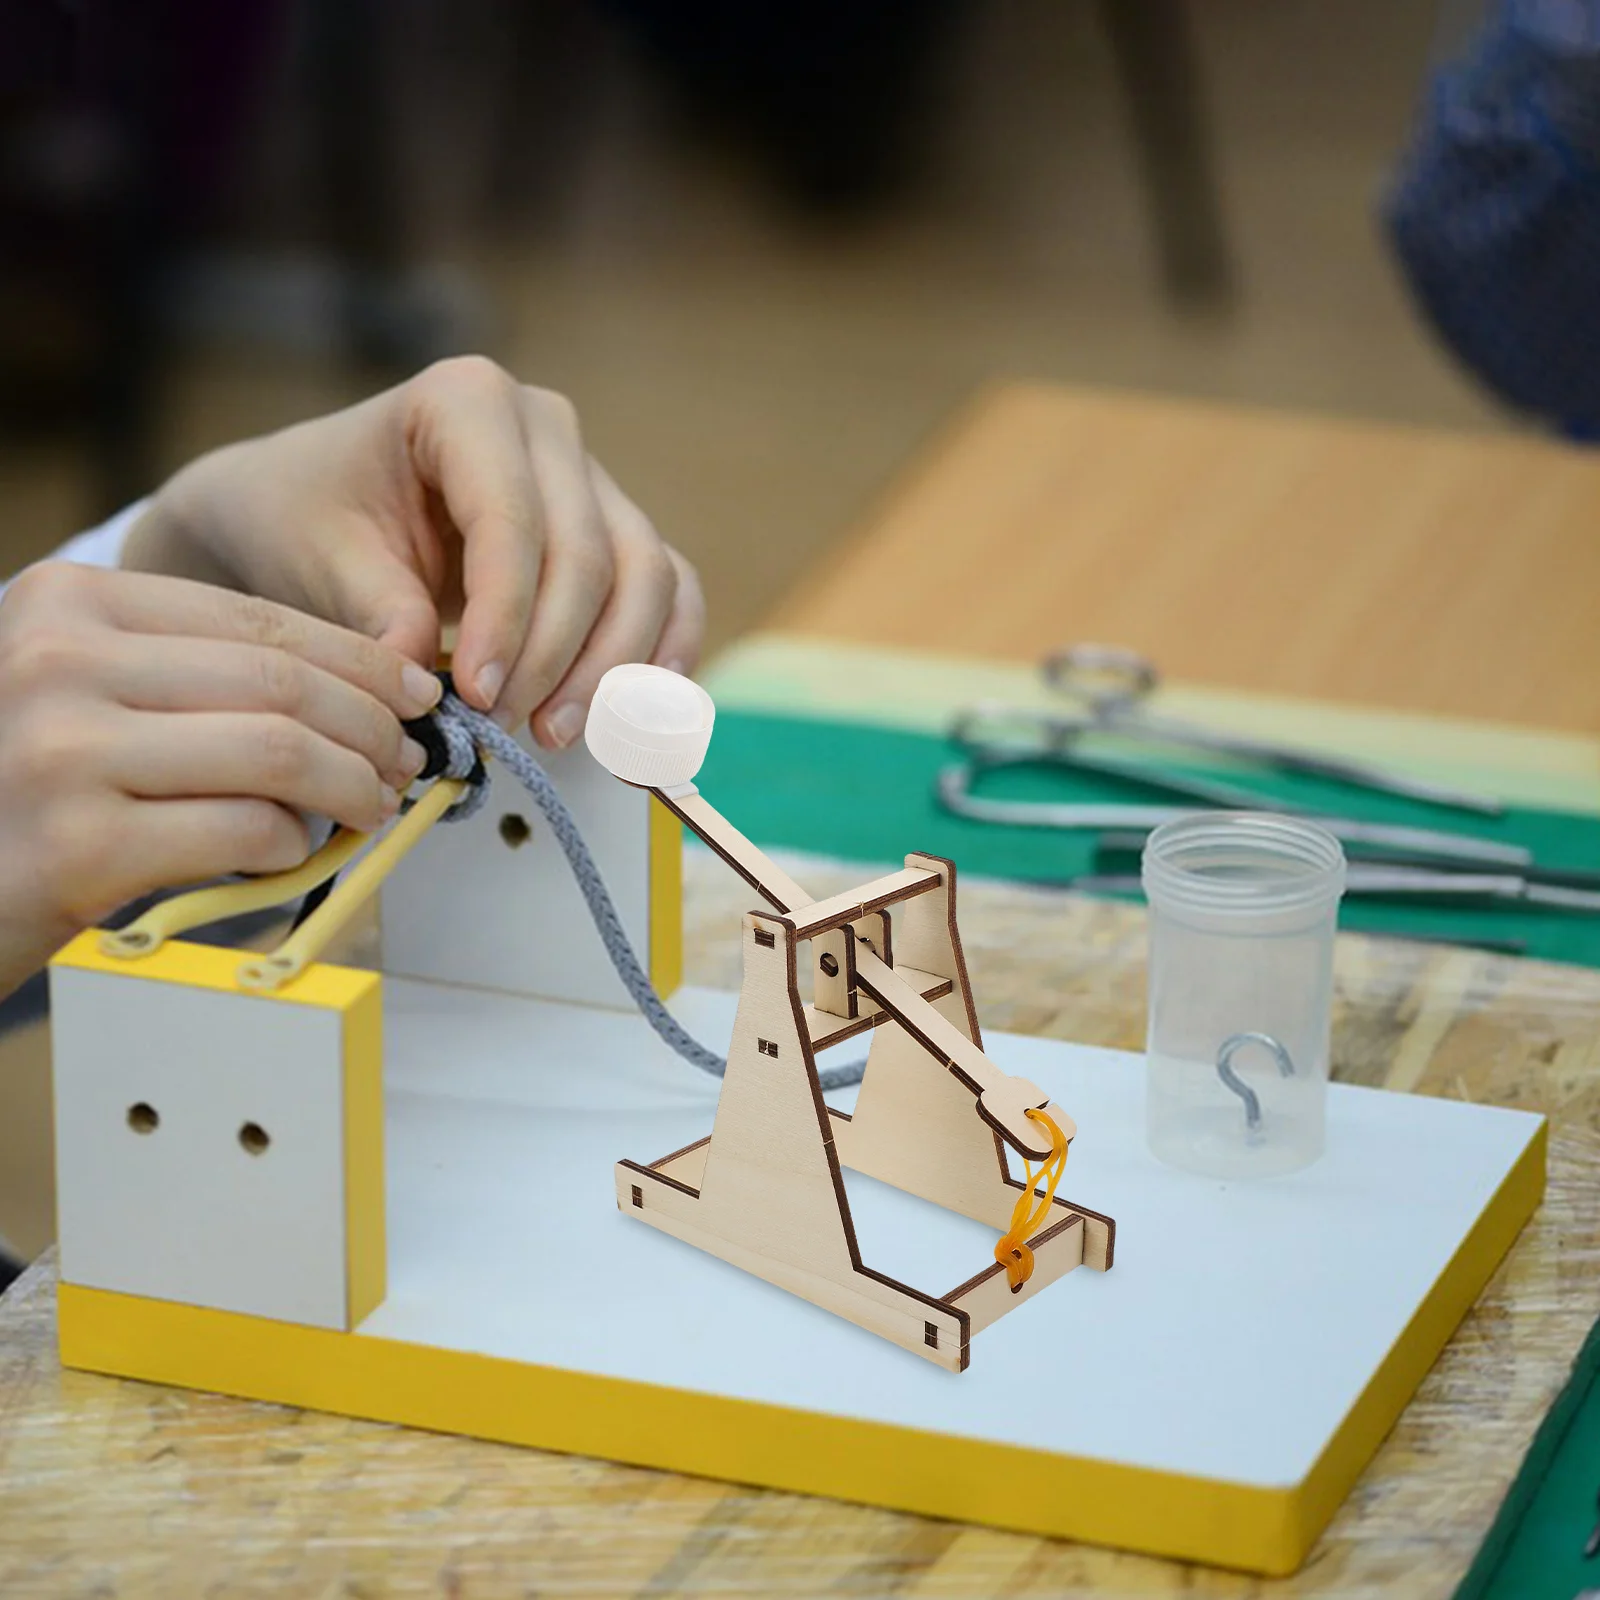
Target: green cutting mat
[[866, 793]]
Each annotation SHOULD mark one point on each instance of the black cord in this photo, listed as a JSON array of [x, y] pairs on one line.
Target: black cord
[[425, 730], [313, 899]]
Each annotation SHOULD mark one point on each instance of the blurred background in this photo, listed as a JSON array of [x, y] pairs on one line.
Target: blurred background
[[766, 249]]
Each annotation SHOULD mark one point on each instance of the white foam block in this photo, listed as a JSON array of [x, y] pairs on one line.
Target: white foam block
[[467, 907], [1237, 1328], [187, 1212]]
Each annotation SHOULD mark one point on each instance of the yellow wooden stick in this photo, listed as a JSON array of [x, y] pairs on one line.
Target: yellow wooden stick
[[308, 941], [186, 911]]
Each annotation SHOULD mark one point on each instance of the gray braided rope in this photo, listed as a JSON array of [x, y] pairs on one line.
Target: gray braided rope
[[466, 732]]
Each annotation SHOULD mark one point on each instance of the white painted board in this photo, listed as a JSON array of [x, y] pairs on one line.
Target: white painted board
[[467, 907], [1236, 1329]]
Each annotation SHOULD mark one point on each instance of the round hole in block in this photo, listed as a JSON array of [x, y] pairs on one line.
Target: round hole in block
[[515, 830], [254, 1138], [830, 965], [143, 1117]]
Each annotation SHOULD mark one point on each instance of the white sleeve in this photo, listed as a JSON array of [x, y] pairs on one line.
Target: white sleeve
[[102, 546]]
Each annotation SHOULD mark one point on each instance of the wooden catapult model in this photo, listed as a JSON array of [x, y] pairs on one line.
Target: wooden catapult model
[[384, 1189], [934, 1116]]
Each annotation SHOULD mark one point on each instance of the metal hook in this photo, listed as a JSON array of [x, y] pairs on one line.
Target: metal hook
[[1225, 1054]]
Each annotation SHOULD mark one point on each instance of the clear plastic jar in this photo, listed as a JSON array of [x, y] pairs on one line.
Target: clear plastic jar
[[1243, 907]]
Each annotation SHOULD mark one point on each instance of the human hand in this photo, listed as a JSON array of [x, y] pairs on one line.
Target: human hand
[[155, 732], [460, 495]]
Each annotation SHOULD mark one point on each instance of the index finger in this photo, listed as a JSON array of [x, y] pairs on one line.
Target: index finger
[[177, 607], [468, 444]]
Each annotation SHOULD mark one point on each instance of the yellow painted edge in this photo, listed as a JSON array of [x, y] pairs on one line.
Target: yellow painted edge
[[209, 967], [1259, 1528], [1430, 1329], [365, 1243], [666, 899], [713, 1436]]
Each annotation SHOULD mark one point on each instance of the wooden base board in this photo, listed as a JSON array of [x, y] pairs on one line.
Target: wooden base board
[[523, 1307]]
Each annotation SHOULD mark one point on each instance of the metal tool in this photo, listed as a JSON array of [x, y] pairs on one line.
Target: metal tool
[[1372, 881], [1416, 845], [1110, 686]]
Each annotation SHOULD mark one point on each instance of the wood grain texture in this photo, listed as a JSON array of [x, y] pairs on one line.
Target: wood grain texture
[[121, 1489], [1430, 571]]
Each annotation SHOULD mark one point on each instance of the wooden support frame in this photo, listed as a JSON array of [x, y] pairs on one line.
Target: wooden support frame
[[765, 1190]]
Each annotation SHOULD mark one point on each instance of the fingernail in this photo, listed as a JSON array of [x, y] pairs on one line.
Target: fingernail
[[679, 665], [489, 682], [421, 687], [564, 724], [390, 801], [413, 758]]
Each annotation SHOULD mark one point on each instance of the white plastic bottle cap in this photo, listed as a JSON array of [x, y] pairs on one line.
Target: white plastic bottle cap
[[649, 726]]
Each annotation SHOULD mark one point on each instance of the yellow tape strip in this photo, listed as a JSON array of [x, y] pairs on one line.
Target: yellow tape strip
[[365, 1200], [666, 899]]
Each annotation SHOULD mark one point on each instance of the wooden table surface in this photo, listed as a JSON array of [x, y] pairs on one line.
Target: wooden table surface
[[1328, 559], [1446, 572]]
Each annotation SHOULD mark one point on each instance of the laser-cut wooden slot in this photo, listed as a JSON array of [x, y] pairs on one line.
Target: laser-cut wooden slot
[[934, 1116]]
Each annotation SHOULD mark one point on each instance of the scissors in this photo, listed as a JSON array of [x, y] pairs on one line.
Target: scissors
[[1361, 840], [1110, 685]]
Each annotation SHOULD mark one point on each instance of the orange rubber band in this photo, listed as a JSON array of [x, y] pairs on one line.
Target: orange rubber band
[[1012, 1251]]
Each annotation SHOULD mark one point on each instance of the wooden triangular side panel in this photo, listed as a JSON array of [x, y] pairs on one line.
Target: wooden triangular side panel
[[772, 1176], [915, 1125]]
